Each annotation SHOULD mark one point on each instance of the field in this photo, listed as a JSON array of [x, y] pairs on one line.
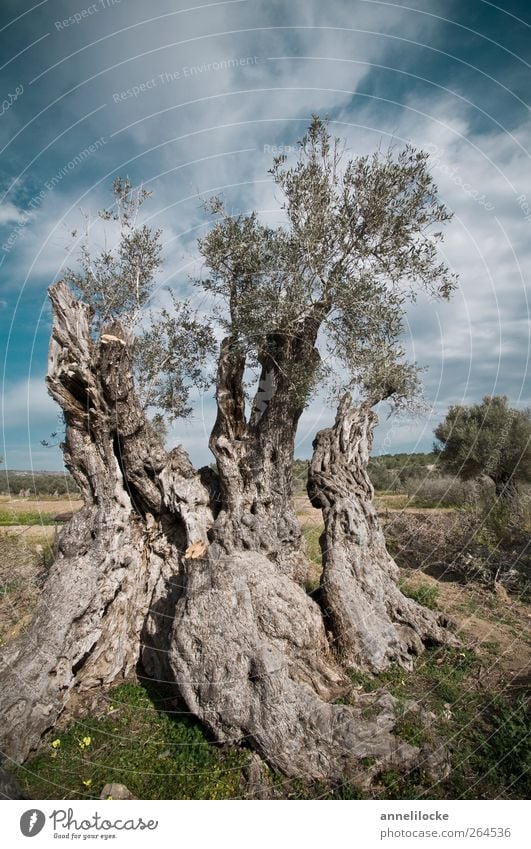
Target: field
[[20, 513], [27, 532]]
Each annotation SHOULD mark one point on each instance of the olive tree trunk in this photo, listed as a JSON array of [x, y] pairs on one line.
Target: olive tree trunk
[[249, 647], [251, 658], [254, 456], [119, 557], [373, 624]]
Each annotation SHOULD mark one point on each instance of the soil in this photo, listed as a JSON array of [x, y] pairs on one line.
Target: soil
[[40, 533], [496, 625], [25, 555]]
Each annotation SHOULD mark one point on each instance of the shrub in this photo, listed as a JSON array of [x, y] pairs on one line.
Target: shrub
[[479, 543], [427, 541], [38, 483], [441, 492], [383, 479]]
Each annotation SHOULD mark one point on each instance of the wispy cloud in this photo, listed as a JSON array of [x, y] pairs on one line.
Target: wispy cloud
[[10, 214], [193, 100]]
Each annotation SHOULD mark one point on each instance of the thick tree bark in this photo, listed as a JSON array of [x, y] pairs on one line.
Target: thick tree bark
[[249, 648], [254, 457], [119, 556], [250, 655], [373, 624]]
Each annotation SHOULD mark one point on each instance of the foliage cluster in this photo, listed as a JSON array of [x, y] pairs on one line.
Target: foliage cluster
[[488, 439]]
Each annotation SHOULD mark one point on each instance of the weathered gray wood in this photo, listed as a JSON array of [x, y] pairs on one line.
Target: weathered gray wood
[[109, 585], [372, 622], [251, 658], [254, 458]]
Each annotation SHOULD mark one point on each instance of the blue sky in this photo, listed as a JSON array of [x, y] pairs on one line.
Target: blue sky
[[191, 98]]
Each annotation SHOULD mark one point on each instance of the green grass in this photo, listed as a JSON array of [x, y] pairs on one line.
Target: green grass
[[488, 737], [394, 501], [411, 729], [505, 755], [311, 534], [425, 594], [12, 517], [438, 678], [155, 754]]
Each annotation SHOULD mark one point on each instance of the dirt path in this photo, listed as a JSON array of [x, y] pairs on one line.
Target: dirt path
[[309, 515], [41, 531]]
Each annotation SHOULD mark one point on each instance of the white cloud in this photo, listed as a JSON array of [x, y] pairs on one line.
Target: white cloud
[[27, 402], [11, 214]]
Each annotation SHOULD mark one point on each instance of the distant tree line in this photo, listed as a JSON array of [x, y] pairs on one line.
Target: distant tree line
[[37, 483], [388, 472]]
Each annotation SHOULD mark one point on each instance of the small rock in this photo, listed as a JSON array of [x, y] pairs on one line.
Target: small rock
[[436, 762], [116, 791], [165, 754]]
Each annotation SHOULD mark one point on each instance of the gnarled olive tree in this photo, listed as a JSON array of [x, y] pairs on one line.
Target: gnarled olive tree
[[198, 576]]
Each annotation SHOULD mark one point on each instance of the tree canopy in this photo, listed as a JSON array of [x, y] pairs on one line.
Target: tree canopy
[[118, 282], [490, 439], [359, 238]]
